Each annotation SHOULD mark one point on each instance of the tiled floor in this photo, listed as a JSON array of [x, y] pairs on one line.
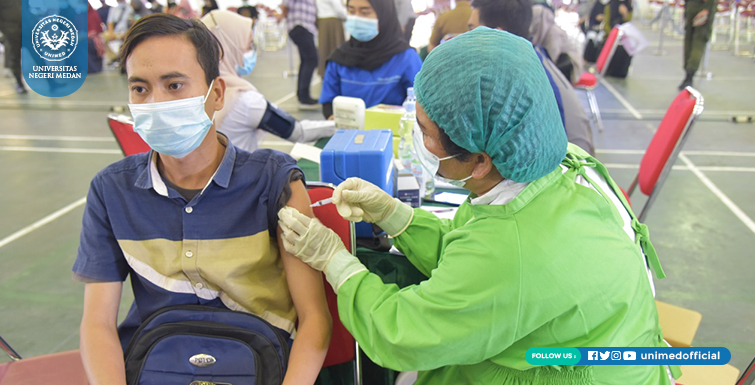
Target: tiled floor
[[702, 223]]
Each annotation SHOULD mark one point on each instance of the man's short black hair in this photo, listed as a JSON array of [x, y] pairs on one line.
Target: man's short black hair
[[248, 11], [209, 50], [513, 16]]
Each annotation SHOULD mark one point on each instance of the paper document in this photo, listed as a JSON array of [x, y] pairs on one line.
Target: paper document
[[301, 150], [395, 251], [448, 197]]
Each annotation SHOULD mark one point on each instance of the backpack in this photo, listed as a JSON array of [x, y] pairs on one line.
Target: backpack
[[200, 345], [620, 62]]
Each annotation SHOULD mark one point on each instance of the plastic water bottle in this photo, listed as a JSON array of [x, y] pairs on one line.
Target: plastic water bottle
[[406, 153], [429, 185], [406, 128]]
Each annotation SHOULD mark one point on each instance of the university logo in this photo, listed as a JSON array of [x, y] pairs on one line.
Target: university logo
[[55, 38]]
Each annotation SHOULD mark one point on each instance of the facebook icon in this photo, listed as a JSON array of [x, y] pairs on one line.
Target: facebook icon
[[592, 355]]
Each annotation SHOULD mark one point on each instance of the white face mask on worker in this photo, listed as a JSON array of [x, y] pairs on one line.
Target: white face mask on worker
[[431, 162]]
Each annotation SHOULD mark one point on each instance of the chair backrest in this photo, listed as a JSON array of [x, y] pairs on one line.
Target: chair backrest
[[342, 345], [666, 144], [63, 368], [123, 129], [609, 48], [748, 377], [9, 350]]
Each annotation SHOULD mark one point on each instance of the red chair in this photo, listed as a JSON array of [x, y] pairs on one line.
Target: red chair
[[123, 129], [748, 377], [59, 368], [589, 81], [665, 146], [343, 347]]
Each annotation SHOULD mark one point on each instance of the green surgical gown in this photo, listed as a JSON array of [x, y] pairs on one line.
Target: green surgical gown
[[552, 268]]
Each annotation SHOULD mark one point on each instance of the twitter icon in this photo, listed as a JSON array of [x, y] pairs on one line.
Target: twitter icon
[[604, 356]]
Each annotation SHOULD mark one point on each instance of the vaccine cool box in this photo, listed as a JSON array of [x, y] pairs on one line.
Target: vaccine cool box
[[364, 154]]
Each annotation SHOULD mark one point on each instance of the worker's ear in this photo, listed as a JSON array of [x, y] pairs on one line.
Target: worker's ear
[[483, 165]]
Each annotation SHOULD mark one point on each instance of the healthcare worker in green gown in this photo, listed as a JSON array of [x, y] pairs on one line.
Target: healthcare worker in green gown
[[544, 252]]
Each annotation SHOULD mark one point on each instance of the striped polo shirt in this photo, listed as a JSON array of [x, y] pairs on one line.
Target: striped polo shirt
[[218, 249]]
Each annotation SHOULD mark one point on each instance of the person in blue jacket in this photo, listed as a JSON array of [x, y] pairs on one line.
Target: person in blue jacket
[[376, 64]]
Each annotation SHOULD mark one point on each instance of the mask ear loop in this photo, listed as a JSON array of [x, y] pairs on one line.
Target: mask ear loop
[[208, 91], [207, 96], [447, 157]]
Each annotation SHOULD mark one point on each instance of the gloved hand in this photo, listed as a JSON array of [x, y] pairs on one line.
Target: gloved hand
[[358, 200], [318, 246]]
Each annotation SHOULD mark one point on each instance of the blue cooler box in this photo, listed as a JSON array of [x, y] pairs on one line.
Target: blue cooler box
[[364, 154]]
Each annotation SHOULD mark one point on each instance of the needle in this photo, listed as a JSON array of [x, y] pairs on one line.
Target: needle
[[322, 202]]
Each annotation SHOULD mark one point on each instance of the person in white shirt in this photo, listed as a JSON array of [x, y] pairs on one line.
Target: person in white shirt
[[247, 115]]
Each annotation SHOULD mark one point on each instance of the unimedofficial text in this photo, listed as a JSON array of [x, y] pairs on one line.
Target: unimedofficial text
[[681, 356]]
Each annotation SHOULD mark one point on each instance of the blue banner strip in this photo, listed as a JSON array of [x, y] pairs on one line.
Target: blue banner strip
[[628, 356], [654, 356]]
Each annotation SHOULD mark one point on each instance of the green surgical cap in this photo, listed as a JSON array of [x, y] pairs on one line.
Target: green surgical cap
[[488, 91]]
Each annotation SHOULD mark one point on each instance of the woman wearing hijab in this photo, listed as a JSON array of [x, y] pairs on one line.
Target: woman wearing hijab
[[376, 64], [547, 34], [247, 114], [545, 252]]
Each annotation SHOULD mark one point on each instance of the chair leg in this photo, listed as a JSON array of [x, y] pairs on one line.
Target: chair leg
[[595, 109], [357, 365]]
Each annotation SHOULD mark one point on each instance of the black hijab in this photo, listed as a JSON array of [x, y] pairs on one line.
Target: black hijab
[[372, 54]]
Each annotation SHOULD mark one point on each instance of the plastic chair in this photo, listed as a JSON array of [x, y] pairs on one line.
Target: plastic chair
[[123, 129], [343, 347], [665, 146], [708, 375], [589, 81], [59, 368]]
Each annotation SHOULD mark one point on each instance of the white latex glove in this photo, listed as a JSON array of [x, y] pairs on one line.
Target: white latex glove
[[317, 246], [358, 200]]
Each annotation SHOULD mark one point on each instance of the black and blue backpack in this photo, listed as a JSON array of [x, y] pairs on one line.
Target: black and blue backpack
[[200, 345]]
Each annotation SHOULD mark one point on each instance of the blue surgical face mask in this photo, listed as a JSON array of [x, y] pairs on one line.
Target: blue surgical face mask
[[361, 28], [250, 59], [430, 162], [173, 128]]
